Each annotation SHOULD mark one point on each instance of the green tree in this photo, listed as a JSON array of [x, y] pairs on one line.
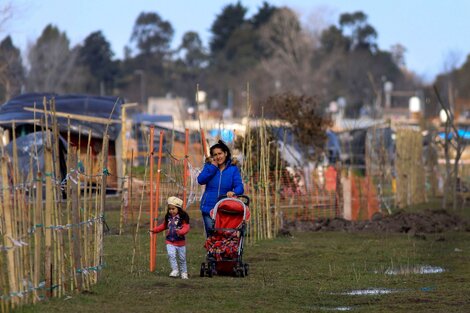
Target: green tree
[[11, 69], [152, 34], [96, 55], [195, 56], [147, 68], [231, 18], [263, 15], [349, 64], [361, 34], [236, 51], [190, 67], [332, 39]]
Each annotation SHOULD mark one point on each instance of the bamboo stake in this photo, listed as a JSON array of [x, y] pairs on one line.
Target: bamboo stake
[[75, 239], [38, 235], [123, 203], [137, 227], [79, 117], [99, 237], [277, 187], [3, 279], [262, 179], [94, 238], [87, 211], [130, 186], [71, 168], [48, 214], [9, 228], [38, 220], [60, 247], [17, 218]]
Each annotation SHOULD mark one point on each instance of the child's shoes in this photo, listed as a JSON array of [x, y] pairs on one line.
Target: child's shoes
[[184, 276], [174, 273]]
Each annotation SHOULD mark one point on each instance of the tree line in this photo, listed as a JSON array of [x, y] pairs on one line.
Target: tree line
[[272, 49]]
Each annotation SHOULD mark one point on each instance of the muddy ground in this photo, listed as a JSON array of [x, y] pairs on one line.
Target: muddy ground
[[416, 224]]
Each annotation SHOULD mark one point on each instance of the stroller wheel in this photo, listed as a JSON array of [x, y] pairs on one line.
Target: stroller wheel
[[239, 272], [203, 269], [210, 269], [245, 268]]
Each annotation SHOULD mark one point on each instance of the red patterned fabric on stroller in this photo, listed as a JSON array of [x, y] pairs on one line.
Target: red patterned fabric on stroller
[[225, 245]]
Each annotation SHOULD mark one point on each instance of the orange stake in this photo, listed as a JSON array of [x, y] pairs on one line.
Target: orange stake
[[157, 189], [185, 167], [152, 237]]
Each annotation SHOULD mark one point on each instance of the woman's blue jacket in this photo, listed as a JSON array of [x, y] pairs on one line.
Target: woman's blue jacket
[[218, 183]]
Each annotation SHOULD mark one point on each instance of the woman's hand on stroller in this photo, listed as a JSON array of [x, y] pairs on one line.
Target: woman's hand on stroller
[[230, 194]]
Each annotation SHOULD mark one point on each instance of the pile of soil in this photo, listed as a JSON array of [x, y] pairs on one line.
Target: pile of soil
[[429, 221]]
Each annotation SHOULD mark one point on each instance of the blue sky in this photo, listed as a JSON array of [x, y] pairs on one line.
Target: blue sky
[[434, 32]]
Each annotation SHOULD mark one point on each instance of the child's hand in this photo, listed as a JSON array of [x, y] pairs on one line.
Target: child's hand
[[178, 232]]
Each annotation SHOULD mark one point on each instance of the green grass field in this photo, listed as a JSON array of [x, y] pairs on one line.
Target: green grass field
[[309, 272]]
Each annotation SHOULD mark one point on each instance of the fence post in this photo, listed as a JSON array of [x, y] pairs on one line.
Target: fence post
[[152, 219]]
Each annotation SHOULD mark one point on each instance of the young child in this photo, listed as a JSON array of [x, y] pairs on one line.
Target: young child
[[177, 224]]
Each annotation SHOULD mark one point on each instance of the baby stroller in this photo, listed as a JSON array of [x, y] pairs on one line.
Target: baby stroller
[[224, 245]]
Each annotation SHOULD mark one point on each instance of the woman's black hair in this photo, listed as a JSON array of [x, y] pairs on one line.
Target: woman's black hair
[[222, 146], [182, 213]]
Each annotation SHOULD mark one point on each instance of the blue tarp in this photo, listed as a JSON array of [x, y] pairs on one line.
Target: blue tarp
[[143, 118], [224, 134], [95, 106], [462, 133]]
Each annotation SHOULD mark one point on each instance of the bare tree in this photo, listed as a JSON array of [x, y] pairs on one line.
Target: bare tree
[[6, 13], [398, 54], [307, 121], [319, 20], [454, 145], [290, 51], [11, 69], [53, 66]]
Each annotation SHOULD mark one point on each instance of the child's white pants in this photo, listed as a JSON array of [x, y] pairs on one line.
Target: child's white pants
[[173, 252]]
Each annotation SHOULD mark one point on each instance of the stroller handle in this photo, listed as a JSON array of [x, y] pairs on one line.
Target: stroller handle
[[243, 198]]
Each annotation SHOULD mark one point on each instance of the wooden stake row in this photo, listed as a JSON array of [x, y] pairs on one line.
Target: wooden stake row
[[52, 232]]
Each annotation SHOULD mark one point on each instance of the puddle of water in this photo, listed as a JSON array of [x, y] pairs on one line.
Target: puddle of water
[[368, 292], [339, 308], [424, 269]]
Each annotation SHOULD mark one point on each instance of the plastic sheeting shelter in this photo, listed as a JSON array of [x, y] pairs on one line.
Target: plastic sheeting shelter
[[82, 114], [78, 106], [30, 153]]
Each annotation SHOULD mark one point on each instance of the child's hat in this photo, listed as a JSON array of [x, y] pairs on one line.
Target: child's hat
[[175, 201]]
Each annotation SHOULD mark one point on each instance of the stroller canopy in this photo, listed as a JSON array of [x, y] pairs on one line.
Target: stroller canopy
[[230, 213]]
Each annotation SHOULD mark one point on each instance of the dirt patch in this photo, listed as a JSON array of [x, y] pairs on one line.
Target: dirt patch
[[429, 221]]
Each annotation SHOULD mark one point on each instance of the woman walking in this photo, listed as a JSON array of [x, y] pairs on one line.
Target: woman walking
[[221, 177]]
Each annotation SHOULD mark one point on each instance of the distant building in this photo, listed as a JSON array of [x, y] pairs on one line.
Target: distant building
[[175, 107]]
